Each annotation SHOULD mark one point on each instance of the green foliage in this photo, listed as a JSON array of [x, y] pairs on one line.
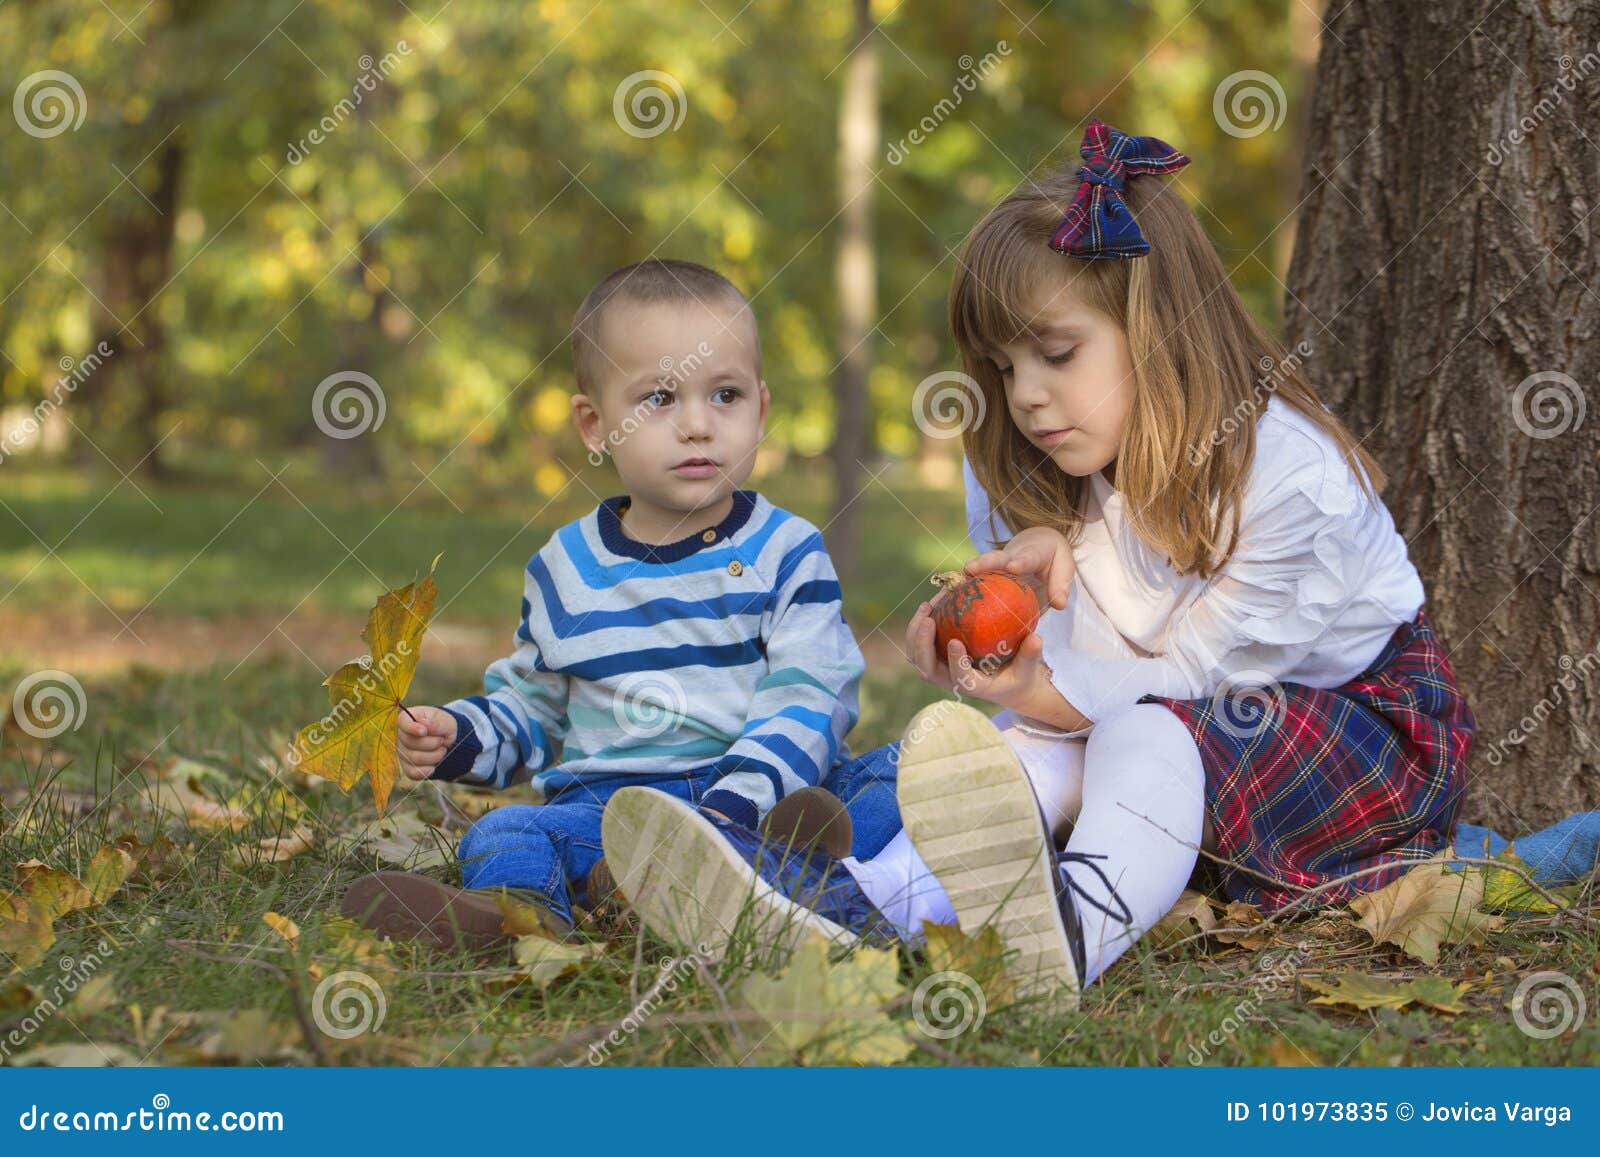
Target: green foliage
[[442, 233]]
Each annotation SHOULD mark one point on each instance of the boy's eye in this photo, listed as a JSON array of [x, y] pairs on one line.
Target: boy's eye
[[1060, 359], [728, 395], [655, 399]]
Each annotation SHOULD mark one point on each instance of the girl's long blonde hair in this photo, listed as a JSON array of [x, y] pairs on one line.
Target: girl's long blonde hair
[[1203, 370]]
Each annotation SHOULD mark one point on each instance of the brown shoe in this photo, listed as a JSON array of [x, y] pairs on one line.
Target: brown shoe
[[810, 817], [409, 906]]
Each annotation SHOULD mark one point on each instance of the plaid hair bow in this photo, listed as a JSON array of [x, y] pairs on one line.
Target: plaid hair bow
[[1098, 223]]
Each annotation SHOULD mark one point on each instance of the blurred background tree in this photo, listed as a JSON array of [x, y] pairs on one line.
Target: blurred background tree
[[481, 164]]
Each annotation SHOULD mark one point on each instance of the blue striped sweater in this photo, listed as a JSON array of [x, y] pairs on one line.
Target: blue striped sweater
[[727, 649]]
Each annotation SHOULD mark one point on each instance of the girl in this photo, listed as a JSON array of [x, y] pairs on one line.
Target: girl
[[1235, 657]]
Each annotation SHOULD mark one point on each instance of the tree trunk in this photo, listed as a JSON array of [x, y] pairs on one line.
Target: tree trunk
[[855, 276], [1442, 275], [136, 267]]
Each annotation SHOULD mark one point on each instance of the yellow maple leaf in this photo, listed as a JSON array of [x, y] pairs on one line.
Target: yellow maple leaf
[[827, 1013], [359, 735], [1429, 906]]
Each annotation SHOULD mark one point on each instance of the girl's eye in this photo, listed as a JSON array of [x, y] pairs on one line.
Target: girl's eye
[[1062, 358], [1002, 370]]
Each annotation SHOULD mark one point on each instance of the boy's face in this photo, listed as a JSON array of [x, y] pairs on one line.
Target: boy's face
[[679, 405]]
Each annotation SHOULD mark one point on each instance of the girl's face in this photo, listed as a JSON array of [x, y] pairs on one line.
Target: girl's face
[[1069, 384]]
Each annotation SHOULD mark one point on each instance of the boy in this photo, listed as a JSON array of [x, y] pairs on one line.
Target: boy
[[686, 636]]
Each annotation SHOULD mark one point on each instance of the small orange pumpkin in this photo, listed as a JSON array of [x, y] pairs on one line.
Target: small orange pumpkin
[[991, 613]]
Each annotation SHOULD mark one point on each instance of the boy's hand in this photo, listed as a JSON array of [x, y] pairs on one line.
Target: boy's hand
[[1040, 551], [425, 735]]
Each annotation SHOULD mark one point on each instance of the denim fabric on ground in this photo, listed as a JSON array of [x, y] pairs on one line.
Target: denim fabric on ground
[[549, 848], [866, 786], [1562, 853]]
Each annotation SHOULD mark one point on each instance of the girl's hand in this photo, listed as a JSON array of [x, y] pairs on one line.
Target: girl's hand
[[1022, 685], [1039, 551], [1017, 682], [425, 735]]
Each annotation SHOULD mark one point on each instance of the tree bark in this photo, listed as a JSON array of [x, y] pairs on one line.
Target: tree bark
[[855, 277], [135, 269], [1445, 256]]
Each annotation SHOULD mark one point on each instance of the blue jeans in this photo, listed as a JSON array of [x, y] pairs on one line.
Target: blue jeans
[[549, 848], [866, 784]]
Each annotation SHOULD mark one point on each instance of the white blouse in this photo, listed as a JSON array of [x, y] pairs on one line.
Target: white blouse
[[1318, 584]]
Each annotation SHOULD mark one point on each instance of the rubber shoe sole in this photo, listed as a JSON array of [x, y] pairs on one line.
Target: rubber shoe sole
[[693, 889], [406, 906], [969, 808]]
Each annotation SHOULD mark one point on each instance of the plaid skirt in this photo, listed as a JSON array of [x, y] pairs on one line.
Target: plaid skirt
[[1305, 785]]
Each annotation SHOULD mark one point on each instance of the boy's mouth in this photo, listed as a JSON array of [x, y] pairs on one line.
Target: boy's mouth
[[695, 468]]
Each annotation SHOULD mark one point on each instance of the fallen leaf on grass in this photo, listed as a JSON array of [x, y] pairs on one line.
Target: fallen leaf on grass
[[45, 894], [406, 841], [1192, 913], [1427, 907], [541, 960], [274, 849], [982, 957], [76, 1056], [1364, 992], [1239, 925], [525, 919], [351, 945], [1507, 890], [109, 869], [286, 928], [830, 1014], [241, 1037], [359, 736]]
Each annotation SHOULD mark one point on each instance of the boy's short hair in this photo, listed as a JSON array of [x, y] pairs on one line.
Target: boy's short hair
[[658, 279]]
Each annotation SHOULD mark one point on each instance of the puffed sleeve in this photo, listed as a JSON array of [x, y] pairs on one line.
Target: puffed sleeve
[[984, 527]]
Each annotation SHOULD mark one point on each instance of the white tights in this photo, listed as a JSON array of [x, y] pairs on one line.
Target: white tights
[[1133, 792]]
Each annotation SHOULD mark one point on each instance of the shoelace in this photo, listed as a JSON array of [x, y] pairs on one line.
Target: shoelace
[[1085, 858]]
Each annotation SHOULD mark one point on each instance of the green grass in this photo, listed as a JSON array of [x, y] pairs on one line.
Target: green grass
[[195, 976], [70, 541]]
